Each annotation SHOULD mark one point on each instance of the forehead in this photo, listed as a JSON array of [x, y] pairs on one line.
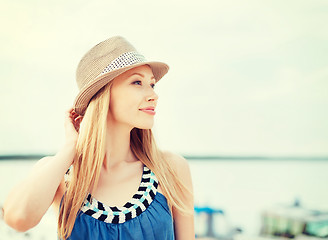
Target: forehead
[[144, 70]]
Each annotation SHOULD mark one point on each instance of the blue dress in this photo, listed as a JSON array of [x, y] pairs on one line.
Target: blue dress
[[145, 217]]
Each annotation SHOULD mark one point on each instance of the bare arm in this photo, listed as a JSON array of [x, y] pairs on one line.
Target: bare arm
[[183, 224], [29, 200]]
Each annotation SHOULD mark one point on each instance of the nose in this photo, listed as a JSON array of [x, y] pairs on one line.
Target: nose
[[152, 96]]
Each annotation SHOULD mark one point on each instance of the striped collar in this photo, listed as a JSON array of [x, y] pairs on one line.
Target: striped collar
[[133, 208]]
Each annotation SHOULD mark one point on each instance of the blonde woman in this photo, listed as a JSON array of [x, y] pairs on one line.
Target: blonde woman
[[119, 184]]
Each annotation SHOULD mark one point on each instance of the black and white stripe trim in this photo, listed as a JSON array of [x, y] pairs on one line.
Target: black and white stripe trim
[[124, 60], [139, 202]]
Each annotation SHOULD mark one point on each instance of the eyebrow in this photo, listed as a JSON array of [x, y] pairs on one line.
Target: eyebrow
[[141, 75]]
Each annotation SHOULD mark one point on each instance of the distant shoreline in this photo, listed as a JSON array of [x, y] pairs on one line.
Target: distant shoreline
[[188, 157]]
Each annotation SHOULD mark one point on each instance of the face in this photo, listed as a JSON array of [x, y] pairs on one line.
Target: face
[[131, 93]]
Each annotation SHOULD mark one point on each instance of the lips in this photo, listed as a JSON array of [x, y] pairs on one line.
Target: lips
[[149, 110]]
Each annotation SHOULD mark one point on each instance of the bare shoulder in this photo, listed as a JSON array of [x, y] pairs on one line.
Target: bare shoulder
[[180, 165], [178, 162], [182, 169]]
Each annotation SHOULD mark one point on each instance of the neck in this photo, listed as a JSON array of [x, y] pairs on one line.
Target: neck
[[118, 151]]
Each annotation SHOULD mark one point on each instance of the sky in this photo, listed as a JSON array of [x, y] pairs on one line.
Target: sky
[[245, 78]]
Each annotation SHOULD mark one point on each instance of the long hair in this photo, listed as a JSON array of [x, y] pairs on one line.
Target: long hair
[[90, 155]]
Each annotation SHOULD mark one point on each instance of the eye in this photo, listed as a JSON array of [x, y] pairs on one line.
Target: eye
[[137, 82], [152, 85]]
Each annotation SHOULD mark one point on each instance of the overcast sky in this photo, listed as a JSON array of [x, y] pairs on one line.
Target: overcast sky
[[246, 77]]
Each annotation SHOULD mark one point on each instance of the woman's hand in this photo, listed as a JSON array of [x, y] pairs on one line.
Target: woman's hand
[[72, 125]]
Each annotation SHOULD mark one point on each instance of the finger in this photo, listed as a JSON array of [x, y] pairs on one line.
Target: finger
[[68, 114], [75, 113], [69, 110], [78, 121], [78, 117]]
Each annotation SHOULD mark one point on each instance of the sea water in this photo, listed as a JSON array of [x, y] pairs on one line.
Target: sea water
[[242, 189]]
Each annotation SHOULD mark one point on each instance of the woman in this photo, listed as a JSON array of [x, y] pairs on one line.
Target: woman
[[108, 148]]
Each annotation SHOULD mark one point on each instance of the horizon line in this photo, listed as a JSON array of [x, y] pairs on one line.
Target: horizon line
[[187, 156]]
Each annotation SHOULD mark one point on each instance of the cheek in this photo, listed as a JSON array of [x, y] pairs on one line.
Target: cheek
[[121, 105]]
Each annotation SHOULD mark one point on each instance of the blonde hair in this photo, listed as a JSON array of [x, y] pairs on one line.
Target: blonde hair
[[90, 154]]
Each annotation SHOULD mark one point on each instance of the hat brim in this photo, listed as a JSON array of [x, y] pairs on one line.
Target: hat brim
[[82, 100]]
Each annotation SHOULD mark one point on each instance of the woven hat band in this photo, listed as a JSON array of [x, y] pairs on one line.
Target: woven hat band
[[124, 60]]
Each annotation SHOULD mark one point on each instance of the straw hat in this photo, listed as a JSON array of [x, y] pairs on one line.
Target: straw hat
[[103, 63]]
